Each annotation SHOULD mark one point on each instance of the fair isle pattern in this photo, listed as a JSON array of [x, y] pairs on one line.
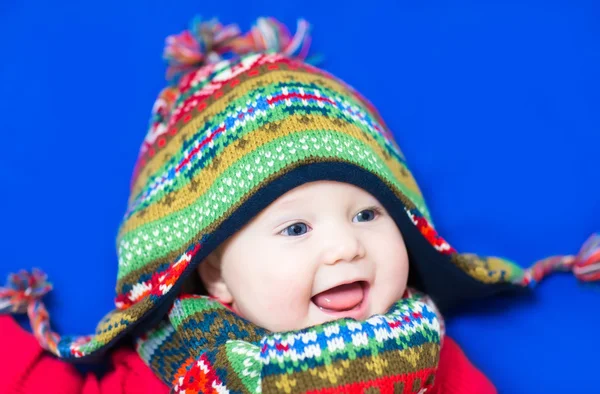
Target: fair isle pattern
[[200, 378], [253, 106], [283, 71], [161, 337], [168, 111], [328, 343], [213, 81], [220, 351], [245, 361], [159, 282], [256, 110], [384, 347]]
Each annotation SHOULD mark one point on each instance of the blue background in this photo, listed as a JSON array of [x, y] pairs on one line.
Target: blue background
[[495, 106]]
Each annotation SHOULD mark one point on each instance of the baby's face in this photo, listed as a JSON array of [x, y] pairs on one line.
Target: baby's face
[[323, 251]]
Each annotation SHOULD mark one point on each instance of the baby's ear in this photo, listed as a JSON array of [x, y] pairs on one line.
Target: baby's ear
[[211, 274]]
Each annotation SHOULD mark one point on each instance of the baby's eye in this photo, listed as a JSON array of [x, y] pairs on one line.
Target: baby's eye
[[365, 215], [295, 230]]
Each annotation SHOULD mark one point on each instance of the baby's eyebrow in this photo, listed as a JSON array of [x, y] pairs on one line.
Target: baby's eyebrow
[[288, 201]]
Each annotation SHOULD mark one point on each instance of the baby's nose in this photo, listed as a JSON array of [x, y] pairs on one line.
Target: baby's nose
[[345, 246]]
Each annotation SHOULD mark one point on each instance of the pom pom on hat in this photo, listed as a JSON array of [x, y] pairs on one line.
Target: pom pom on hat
[[209, 42], [203, 43]]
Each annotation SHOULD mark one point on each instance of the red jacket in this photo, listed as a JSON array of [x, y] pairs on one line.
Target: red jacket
[[26, 368]]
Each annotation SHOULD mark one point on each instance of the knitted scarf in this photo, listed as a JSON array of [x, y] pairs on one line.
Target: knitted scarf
[[203, 347]]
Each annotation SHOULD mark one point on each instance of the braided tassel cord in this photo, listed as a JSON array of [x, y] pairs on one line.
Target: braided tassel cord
[[23, 294], [585, 265]]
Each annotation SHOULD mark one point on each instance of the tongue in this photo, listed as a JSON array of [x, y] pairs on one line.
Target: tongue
[[340, 298]]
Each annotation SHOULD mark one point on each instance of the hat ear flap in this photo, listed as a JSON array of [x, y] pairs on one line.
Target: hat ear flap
[[489, 269], [492, 270]]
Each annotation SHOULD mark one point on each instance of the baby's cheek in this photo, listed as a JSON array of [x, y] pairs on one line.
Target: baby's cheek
[[393, 286], [284, 304]]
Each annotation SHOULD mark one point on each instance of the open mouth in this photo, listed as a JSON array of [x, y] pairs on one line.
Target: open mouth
[[347, 300]]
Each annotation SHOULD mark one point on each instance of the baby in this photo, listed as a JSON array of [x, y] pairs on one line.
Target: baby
[[281, 188], [322, 251]]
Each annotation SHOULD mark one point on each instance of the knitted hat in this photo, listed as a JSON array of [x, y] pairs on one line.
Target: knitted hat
[[244, 120]]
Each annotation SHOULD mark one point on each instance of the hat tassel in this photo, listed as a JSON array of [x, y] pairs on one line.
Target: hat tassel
[[585, 265], [23, 294]]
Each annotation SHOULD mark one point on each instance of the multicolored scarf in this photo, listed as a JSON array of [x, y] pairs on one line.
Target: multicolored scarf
[[203, 347]]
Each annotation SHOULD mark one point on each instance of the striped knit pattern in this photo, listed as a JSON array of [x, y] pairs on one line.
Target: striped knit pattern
[[216, 350], [221, 134]]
